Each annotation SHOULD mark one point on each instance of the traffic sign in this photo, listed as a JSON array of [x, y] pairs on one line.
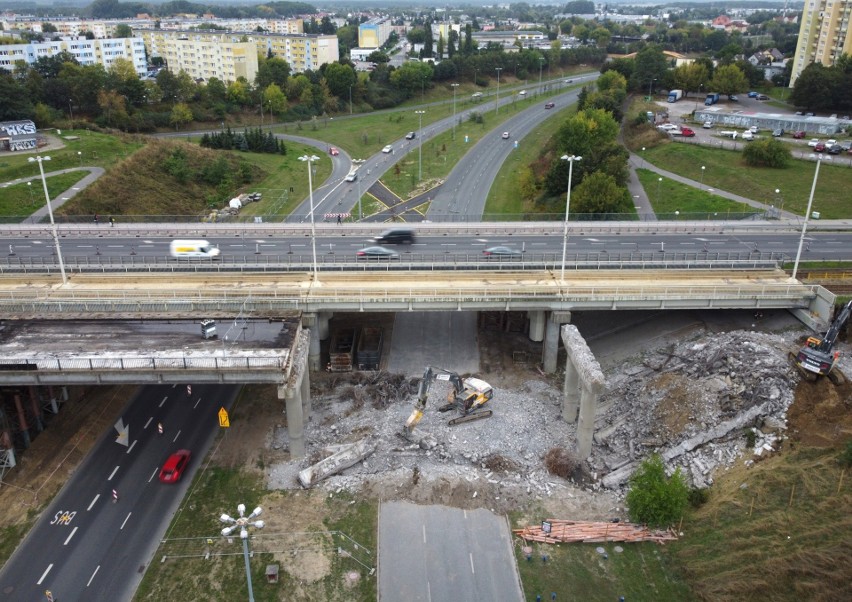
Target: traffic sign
[[224, 421]]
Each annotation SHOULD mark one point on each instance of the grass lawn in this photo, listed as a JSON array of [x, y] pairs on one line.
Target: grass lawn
[[21, 200], [578, 572], [725, 170], [668, 197]]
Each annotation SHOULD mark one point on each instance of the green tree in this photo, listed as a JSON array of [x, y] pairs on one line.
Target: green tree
[[813, 88], [339, 77], [274, 99], [767, 153], [654, 499], [181, 115], [411, 76], [122, 30], [611, 80], [238, 93], [650, 64], [599, 193], [216, 90], [440, 48], [14, 99], [690, 78], [272, 71], [601, 36], [729, 79]]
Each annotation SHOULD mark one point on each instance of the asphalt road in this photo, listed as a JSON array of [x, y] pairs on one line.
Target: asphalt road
[[88, 547], [334, 249], [441, 554]]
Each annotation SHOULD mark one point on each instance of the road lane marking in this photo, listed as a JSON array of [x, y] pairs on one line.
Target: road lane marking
[[153, 475], [147, 423], [424, 533], [471, 563], [73, 531], [44, 574], [164, 401], [131, 446], [196, 403], [93, 503], [97, 568], [124, 523], [176, 437], [114, 470], [429, 591]]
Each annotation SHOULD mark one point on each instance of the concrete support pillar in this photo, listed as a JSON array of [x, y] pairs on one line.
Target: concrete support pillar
[[305, 392], [22, 420], [296, 393], [322, 323], [537, 321], [310, 321], [586, 422], [551, 339], [570, 393], [38, 416]]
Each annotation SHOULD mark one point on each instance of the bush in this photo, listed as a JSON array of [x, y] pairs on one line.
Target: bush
[[654, 499], [766, 153], [561, 462], [698, 497], [845, 458]]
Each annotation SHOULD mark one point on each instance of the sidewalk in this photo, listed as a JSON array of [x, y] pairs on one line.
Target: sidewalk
[[63, 197]]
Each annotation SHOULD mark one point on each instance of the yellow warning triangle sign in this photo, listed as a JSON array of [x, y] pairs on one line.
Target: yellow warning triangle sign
[[224, 421]]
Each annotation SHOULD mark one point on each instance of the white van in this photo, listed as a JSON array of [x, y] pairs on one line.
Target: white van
[[189, 249]]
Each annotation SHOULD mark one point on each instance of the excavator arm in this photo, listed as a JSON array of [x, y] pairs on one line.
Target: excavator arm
[[466, 400]]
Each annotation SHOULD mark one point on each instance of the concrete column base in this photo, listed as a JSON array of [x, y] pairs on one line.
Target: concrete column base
[[296, 393], [310, 321], [537, 322], [586, 423], [551, 339], [571, 394]]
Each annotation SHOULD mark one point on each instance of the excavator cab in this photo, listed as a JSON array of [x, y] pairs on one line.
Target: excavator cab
[[467, 396]]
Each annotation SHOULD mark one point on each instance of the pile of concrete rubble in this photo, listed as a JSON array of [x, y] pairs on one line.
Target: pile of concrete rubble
[[691, 402]]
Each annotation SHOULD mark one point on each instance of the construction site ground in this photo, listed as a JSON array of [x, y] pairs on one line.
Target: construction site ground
[[495, 463]]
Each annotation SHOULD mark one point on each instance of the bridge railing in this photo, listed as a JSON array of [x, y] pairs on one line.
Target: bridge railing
[[99, 363]]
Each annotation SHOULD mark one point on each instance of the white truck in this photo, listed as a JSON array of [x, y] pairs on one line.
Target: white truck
[[193, 249], [675, 95]]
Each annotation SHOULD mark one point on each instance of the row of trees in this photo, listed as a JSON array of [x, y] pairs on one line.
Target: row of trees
[[253, 140]]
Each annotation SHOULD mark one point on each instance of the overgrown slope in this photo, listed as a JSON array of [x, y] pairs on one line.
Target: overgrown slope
[[166, 178]]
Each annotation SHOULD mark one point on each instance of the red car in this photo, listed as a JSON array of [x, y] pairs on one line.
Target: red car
[[820, 147], [687, 132], [800, 134], [334, 152], [174, 466]]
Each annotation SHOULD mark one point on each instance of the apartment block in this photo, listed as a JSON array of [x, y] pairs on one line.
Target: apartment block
[[301, 51], [374, 33], [201, 59], [87, 52], [823, 35]]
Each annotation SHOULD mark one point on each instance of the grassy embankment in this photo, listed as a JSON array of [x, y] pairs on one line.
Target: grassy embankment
[[86, 149]]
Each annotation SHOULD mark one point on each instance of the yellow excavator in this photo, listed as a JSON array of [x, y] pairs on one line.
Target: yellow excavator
[[818, 357], [468, 396]]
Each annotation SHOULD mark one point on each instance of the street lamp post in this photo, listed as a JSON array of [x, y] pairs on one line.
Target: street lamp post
[[780, 202], [805, 224], [242, 523], [310, 159], [454, 109], [39, 160], [650, 86], [80, 156], [643, 156], [570, 159], [540, 64], [659, 183], [703, 167], [497, 100], [32, 198], [350, 99], [71, 112], [420, 147]]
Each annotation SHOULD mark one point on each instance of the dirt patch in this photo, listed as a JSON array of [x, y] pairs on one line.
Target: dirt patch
[[822, 414]]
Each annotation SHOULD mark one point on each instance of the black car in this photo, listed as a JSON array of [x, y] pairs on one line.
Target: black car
[[410, 136], [834, 149], [396, 236]]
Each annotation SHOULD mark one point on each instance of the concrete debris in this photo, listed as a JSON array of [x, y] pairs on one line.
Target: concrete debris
[[692, 402], [343, 458]]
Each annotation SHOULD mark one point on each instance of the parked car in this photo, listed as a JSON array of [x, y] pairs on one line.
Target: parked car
[[333, 151], [376, 253], [813, 142], [476, 95], [762, 97], [175, 465], [733, 98], [707, 125], [778, 132], [410, 136], [549, 105], [505, 135], [387, 149], [799, 135], [754, 129], [809, 114], [687, 132], [846, 145], [523, 92], [748, 135], [752, 94], [667, 127], [830, 142], [834, 149], [819, 147], [502, 251]]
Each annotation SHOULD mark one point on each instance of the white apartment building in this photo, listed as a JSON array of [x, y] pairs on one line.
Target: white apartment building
[[823, 34], [87, 52]]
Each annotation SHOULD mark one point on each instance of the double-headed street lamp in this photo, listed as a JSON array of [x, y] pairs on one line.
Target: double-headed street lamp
[[420, 147], [497, 100], [242, 523], [310, 159], [570, 159], [39, 160], [454, 109]]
